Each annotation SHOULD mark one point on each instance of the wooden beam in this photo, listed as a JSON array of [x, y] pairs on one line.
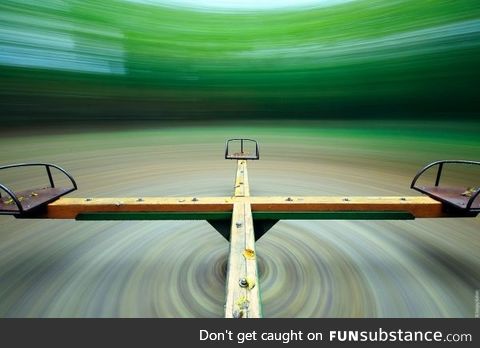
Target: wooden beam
[[69, 208], [211, 217], [263, 219], [419, 207], [242, 188], [243, 289], [328, 215]]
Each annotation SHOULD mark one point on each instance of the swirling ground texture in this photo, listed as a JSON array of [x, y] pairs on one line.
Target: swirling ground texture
[[108, 89], [420, 268]]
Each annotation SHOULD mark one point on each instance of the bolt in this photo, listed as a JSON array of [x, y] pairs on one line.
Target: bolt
[[194, 199], [346, 200], [243, 282], [403, 199], [140, 200], [88, 199], [289, 199], [237, 314], [238, 224]]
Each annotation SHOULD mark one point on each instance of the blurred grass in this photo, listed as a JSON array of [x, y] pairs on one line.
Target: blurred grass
[[403, 141], [123, 60]]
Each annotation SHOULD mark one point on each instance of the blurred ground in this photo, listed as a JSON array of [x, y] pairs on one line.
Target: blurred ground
[[421, 268]]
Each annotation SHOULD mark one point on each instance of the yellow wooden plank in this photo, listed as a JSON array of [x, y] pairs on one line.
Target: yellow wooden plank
[[236, 296], [242, 288], [242, 188], [253, 292], [69, 208], [420, 207]]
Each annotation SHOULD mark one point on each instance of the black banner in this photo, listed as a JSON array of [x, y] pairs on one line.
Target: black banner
[[248, 333]]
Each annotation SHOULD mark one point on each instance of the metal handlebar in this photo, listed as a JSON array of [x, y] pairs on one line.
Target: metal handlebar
[[48, 167], [242, 154]]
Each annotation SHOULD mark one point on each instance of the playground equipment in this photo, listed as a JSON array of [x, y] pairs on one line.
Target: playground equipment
[[241, 218]]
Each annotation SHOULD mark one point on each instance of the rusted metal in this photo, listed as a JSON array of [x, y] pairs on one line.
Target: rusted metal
[[464, 199], [453, 196], [243, 154], [25, 202]]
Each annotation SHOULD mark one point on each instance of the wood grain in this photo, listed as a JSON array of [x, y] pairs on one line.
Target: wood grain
[[69, 208], [242, 302]]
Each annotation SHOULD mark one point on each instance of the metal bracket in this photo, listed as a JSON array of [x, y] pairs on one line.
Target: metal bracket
[[260, 226]]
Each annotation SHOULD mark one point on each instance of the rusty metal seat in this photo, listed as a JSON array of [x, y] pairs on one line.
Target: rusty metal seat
[[244, 149], [465, 199], [23, 202]]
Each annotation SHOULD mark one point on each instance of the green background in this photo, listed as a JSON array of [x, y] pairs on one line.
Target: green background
[[90, 60]]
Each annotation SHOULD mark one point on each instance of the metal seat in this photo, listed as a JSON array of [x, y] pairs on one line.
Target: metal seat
[[243, 149], [23, 202], [463, 198]]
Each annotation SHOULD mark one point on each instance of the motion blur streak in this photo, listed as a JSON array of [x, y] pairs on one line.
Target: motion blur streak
[[136, 98], [421, 268], [176, 60]]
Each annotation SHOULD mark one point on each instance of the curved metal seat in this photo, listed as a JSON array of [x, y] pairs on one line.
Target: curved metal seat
[[248, 149], [461, 198], [23, 202]]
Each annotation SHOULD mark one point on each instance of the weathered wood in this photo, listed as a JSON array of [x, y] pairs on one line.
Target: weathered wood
[[242, 188], [69, 208], [419, 207], [270, 216], [255, 305], [212, 217], [242, 290]]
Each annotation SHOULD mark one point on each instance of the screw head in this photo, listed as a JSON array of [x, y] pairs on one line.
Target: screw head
[[243, 282]]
